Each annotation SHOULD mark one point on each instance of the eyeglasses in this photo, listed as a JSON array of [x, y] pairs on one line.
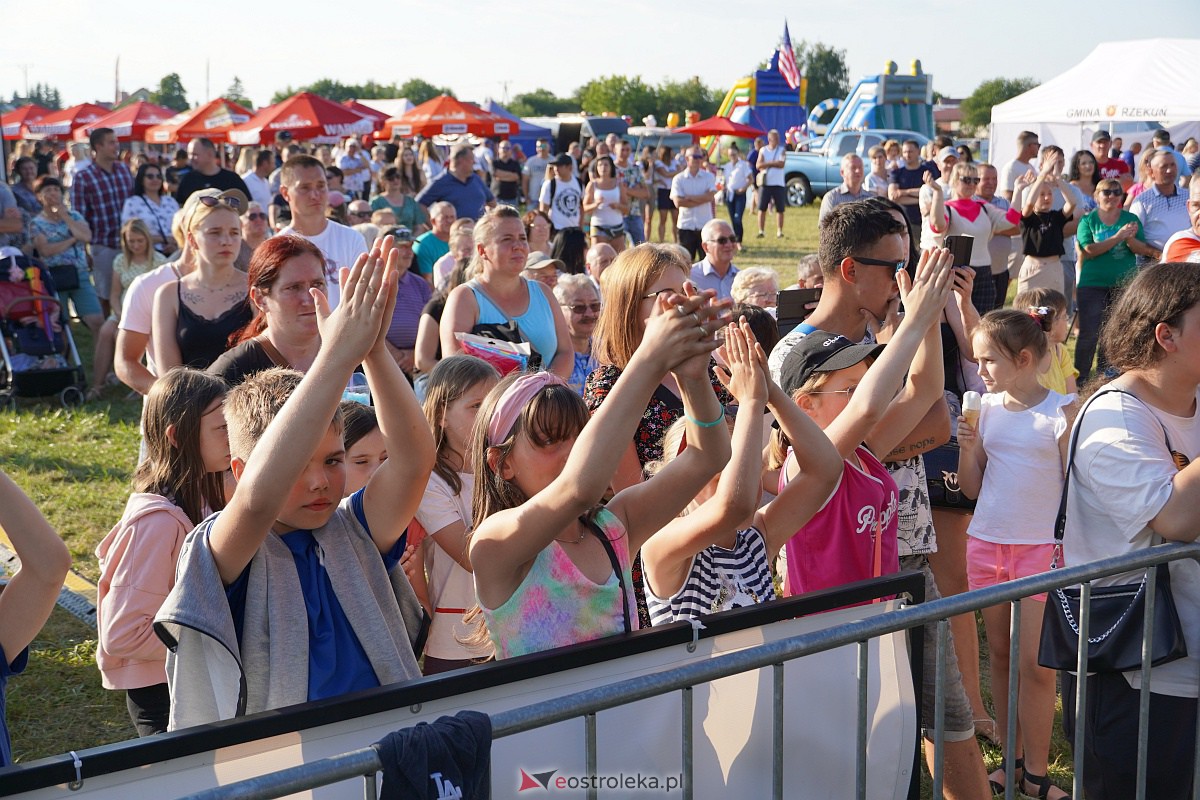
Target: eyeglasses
[[724, 240], [668, 290], [696, 155], [1112, 192], [256, 215], [584, 307], [360, 214], [971, 181], [875, 262], [208, 201], [152, 176], [848, 392]]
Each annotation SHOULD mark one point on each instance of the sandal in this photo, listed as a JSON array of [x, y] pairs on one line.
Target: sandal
[[1043, 784], [997, 787]]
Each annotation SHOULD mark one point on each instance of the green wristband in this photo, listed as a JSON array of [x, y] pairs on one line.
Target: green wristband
[[712, 424]]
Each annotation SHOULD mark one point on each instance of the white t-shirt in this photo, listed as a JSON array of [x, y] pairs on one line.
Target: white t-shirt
[[341, 246], [535, 168], [567, 204], [450, 586], [137, 304], [260, 189], [774, 174], [687, 185], [1010, 172], [1022, 482], [358, 180], [1121, 479]]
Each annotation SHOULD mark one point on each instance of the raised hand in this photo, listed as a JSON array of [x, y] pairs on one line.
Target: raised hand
[[681, 328], [963, 284], [368, 290], [746, 374], [925, 294]]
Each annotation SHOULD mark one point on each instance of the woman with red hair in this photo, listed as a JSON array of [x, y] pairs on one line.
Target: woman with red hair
[[284, 331]]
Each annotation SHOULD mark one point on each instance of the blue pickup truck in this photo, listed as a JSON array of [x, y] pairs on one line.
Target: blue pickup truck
[[813, 172]]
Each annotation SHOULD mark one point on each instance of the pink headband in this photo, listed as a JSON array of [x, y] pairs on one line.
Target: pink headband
[[514, 399]]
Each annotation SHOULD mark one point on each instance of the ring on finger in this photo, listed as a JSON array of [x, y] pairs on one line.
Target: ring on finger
[[681, 311], [703, 332], [696, 317]]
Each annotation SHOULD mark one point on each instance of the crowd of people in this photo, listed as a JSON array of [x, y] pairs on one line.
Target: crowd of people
[[255, 313]]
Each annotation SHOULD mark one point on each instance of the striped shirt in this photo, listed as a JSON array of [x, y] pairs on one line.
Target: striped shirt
[[719, 580], [99, 197]]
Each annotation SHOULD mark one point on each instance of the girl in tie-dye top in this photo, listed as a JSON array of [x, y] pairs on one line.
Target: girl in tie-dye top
[[543, 551]]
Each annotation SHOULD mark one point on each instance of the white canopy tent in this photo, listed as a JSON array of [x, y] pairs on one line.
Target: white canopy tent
[[1118, 86]]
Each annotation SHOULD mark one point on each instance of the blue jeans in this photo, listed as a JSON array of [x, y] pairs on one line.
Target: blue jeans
[[635, 226], [736, 203]]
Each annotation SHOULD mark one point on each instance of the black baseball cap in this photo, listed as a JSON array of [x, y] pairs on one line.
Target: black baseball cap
[[563, 160], [1101, 136], [822, 351]]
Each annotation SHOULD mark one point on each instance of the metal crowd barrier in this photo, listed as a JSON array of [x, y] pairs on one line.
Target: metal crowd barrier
[[365, 763]]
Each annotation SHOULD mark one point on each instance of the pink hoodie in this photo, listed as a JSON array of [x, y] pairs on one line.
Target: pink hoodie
[[137, 571]]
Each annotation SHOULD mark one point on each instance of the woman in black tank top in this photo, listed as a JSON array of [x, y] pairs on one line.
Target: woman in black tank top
[[195, 316]]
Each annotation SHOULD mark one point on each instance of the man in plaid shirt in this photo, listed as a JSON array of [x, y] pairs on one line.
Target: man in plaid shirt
[[98, 193]]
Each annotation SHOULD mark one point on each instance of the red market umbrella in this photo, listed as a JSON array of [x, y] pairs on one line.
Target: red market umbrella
[[60, 124], [130, 122], [721, 126], [17, 118], [446, 115], [377, 117], [307, 117], [211, 120]]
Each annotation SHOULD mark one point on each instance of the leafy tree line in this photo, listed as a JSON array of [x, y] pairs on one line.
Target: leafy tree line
[[823, 66]]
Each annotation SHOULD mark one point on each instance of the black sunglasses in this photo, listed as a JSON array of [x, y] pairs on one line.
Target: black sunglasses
[[253, 215], [724, 240], [875, 262], [1112, 192], [209, 201]]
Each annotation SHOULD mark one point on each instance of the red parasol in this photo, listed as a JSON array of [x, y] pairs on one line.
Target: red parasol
[[130, 122], [446, 115], [377, 117], [17, 118], [721, 126], [211, 120], [59, 124], [307, 117]]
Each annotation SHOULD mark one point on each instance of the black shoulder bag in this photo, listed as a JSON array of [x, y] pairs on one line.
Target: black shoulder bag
[[1118, 612]]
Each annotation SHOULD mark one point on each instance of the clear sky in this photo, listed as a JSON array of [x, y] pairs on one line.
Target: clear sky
[[490, 50]]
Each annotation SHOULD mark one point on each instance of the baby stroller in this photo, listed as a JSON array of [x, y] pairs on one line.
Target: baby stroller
[[38, 354]]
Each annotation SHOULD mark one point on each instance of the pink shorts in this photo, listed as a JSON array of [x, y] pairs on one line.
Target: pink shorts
[[989, 563]]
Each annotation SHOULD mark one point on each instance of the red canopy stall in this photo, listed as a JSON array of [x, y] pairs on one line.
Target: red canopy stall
[[211, 120], [307, 117]]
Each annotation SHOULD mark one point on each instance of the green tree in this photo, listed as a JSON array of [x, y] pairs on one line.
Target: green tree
[[237, 93], [617, 94], [170, 93], [541, 103], [683, 96], [418, 91], [977, 109], [42, 94]]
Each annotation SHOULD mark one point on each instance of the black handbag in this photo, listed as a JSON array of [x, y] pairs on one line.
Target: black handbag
[[65, 277], [941, 474], [1117, 613]]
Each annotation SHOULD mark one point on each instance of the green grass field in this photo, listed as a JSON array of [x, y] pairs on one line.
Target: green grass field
[[77, 465]]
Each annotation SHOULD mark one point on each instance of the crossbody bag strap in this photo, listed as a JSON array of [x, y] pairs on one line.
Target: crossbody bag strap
[[272, 351], [1060, 523], [616, 568]]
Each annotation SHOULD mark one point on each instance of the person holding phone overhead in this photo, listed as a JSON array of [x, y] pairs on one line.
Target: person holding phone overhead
[[962, 214]]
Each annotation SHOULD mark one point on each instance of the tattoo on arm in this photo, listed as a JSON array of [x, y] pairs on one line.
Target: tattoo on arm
[[906, 451]]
